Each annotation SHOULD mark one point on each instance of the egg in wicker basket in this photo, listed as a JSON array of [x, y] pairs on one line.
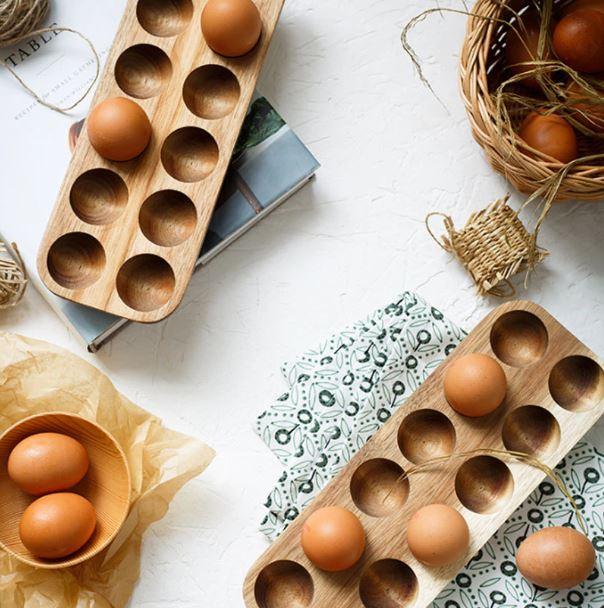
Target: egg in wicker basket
[[483, 68]]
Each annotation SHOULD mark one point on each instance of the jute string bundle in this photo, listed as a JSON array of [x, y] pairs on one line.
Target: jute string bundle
[[19, 20], [13, 278]]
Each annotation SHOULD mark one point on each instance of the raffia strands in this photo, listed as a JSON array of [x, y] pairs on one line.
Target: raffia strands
[[496, 105], [13, 278], [20, 19], [495, 108], [504, 455], [493, 246]]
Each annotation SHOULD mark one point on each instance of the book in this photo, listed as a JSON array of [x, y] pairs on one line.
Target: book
[[268, 165]]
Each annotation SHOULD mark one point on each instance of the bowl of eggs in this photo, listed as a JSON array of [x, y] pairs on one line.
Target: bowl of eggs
[[532, 80], [64, 488]]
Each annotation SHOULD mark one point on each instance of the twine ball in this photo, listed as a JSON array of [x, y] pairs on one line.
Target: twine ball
[[13, 278], [18, 18]]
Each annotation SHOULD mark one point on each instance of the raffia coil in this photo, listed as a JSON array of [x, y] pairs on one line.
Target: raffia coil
[[493, 246]]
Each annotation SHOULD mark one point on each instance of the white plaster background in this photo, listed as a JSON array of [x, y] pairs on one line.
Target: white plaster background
[[336, 250]]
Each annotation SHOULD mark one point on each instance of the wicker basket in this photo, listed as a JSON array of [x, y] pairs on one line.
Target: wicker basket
[[481, 72]]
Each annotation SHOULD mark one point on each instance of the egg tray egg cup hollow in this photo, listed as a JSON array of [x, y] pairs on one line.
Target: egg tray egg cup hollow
[[482, 66], [106, 485], [555, 394], [124, 236]]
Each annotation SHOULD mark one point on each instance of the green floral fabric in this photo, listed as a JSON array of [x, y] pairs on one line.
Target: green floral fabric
[[491, 579], [345, 389], [342, 391]]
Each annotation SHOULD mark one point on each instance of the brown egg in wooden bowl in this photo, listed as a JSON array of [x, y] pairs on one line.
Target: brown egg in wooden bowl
[[105, 485]]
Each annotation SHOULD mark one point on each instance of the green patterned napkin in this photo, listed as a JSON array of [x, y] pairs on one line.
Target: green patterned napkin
[[343, 391], [491, 580]]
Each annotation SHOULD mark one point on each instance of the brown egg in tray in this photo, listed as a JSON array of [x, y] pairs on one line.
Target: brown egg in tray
[[555, 393], [124, 234]]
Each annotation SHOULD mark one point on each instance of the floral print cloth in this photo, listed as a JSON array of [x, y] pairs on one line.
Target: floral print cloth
[[491, 580], [345, 389]]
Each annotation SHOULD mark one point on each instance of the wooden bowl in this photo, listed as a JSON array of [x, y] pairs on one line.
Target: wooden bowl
[[106, 486]]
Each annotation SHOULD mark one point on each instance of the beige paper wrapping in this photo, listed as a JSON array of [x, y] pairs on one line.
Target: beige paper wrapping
[[38, 377]]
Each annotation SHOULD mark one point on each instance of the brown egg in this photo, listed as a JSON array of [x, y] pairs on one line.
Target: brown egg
[[475, 385], [231, 27], [522, 47], [438, 535], [579, 40], [556, 558], [118, 129], [333, 539], [47, 462], [550, 134], [597, 5], [57, 525], [589, 114]]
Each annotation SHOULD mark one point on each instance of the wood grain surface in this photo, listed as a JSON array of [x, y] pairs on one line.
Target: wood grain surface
[[555, 394], [124, 236]]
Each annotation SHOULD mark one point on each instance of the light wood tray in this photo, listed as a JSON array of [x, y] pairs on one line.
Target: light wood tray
[[124, 236], [555, 394]]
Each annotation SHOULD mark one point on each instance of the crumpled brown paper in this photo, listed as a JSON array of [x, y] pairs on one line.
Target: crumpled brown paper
[[38, 377]]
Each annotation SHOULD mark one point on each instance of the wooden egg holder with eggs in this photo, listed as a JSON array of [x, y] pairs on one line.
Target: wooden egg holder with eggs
[[555, 393], [124, 236]]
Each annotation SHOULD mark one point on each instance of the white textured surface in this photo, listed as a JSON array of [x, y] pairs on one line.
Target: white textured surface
[[339, 248]]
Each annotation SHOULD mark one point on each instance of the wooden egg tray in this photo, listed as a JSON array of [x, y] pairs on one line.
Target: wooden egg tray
[[555, 394], [124, 236]]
